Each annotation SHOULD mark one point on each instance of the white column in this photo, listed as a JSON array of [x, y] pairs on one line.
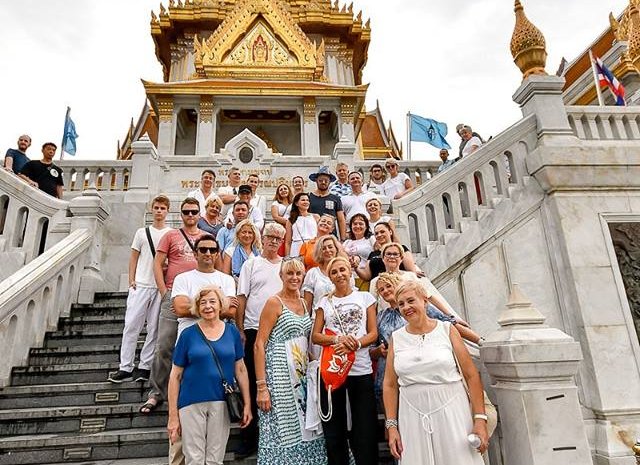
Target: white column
[[165, 128], [204, 142], [310, 131]]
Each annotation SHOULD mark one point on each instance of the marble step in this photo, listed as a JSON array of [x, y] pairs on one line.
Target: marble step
[[77, 354], [58, 374], [106, 324], [70, 394], [87, 338]]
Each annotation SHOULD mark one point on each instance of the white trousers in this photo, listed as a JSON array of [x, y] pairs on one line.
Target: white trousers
[[205, 432], [143, 305]]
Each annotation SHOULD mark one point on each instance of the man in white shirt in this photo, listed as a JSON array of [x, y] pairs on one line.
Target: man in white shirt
[[188, 284], [143, 301], [257, 200], [376, 178], [228, 194], [255, 214], [259, 279], [356, 202], [205, 191]]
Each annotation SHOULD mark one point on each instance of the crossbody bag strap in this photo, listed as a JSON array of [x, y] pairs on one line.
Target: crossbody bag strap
[[215, 357], [153, 249], [333, 309], [186, 238]]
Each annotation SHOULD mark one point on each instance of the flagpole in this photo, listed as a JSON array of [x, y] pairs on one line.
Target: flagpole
[[409, 136], [595, 79], [64, 133]]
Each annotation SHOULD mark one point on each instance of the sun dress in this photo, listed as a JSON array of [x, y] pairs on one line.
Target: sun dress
[[283, 438], [434, 414]]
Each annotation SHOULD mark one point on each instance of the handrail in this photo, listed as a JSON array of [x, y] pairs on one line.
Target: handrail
[[604, 123], [33, 298]]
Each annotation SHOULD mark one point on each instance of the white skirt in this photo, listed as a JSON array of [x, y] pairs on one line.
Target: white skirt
[[434, 422]]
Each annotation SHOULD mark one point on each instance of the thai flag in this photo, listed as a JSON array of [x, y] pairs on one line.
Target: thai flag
[[606, 77]]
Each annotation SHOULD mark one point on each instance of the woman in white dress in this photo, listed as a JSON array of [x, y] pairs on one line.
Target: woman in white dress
[[427, 407], [301, 225], [281, 206]]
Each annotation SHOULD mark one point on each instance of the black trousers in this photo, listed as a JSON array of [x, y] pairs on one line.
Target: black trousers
[[250, 433], [364, 420]]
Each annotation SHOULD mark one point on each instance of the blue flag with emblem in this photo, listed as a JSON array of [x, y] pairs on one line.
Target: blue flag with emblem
[[70, 135], [428, 130]]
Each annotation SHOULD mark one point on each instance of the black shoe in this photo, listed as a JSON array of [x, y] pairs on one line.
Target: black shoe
[[244, 451], [120, 376], [142, 375]]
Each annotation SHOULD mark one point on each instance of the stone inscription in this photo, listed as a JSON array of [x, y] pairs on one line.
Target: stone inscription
[[626, 242], [190, 184]]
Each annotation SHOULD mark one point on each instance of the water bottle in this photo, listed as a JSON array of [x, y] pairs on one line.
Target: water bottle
[[474, 440]]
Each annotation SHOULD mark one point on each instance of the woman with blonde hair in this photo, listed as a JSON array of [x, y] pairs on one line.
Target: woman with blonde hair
[[197, 407], [246, 243], [374, 210], [426, 404], [211, 221], [281, 206], [281, 361], [350, 315], [326, 225]]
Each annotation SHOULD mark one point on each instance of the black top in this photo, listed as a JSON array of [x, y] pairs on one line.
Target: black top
[[48, 177], [329, 204], [376, 265]]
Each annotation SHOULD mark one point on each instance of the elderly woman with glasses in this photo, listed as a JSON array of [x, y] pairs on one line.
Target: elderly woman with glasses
[[245, 245], [211, 221], [197, 408]]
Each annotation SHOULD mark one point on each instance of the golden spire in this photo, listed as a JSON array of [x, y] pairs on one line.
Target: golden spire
[[527, 45], [633, 47]]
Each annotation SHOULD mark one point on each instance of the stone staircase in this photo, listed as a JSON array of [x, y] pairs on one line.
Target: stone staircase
[[60, 408]]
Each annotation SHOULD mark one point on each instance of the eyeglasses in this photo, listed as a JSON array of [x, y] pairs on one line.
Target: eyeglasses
[[190, 212], [211, 250], [392, 255], [297, 257], [392, 166], [273, 238]]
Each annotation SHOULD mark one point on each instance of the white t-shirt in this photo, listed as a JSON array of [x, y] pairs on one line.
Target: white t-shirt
[[392, 186], [383, 219], [260, 203], [353, 315], [199, 196], [353, 204], [255, 215], [303, 230], [144, 268], [190, 283], [359, 247], [468, 147], [319, 284], [226, 190], [259, 279]]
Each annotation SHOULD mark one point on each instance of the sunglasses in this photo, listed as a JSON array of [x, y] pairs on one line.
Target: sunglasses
[[211, 250], [190, 212]]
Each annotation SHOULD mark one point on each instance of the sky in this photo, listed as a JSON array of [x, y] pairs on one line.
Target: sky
[[448, 60]]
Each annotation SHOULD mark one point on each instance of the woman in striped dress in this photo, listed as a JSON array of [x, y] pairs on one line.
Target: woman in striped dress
[[281, 359]]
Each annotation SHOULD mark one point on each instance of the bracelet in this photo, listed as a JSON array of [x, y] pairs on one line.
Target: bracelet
[[390, 423], [261, 381], [359, 344], [263, 389], [336, 339], [480, 416]]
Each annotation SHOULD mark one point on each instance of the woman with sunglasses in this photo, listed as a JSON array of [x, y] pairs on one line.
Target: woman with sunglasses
[[351, 315], [211, 221], [397, 184], [301, 225], [281, 361], [281, 206], [197, 408], [425, 401], [245, 244]]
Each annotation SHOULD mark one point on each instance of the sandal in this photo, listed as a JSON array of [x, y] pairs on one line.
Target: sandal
[[148, 407]]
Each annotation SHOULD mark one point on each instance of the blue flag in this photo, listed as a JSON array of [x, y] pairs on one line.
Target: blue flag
[[70, 135], [430, 131]]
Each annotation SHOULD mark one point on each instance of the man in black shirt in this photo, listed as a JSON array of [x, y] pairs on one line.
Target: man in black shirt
[[322, 202], [43, 174]]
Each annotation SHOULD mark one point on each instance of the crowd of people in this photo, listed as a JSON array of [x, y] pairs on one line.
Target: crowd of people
[[315, 313]]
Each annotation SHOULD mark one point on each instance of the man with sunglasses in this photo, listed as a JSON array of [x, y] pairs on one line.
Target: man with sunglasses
[[259, 279], [377, 177], [177, 248]]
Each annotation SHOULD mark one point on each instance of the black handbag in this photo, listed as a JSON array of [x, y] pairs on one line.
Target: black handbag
[[232, 394]]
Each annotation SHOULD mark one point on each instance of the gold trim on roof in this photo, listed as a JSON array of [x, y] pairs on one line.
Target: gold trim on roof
[[528, 46]]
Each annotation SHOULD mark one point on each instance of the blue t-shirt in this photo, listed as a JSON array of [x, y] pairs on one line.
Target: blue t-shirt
[[201, 381], [19, 159]]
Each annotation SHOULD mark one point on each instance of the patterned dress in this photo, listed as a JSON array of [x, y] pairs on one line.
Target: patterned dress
[[283, 438]]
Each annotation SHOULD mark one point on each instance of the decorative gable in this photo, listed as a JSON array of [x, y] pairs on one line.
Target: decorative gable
[[259, 39]]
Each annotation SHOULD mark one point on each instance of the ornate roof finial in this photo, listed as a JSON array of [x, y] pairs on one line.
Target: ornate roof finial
[[633, 47], [528, 46]]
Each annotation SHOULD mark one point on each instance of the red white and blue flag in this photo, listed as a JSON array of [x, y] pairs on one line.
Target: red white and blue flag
[[606, 78]]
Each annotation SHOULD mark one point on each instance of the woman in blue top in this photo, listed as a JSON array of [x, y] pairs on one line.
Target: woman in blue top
[[197, 408]]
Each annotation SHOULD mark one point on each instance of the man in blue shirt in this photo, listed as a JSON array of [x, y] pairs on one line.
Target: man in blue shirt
[[446, 163], [14, 160]]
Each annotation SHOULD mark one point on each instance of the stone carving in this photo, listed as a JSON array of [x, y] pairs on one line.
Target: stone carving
[[260, 48], [626, 242], [528, 46]]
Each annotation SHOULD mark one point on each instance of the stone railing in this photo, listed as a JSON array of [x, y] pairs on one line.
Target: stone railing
[[604, 123], [474, 183], [420, 171], [106, 175], [30, 222], [34, 297]]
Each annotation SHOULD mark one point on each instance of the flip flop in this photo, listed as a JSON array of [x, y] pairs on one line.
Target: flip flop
[[148, 407]]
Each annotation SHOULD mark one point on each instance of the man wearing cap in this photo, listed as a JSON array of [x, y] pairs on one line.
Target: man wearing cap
[[245, 193], [322, 202]]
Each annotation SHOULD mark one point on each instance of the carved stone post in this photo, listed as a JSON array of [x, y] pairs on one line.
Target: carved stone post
[[144, 153], [310, 132], [533, 368], [90, 212], [165, 126], [204, 144]]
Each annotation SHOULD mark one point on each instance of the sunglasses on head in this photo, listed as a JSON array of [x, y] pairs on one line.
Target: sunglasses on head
[[190, 212], [211, 250]]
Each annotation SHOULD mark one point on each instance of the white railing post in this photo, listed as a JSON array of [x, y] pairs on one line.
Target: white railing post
[[144, 153]]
